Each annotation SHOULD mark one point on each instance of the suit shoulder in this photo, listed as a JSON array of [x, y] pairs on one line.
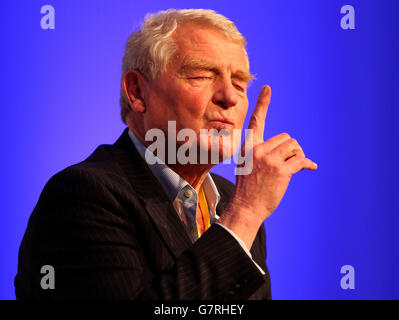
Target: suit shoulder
[[98, 172]]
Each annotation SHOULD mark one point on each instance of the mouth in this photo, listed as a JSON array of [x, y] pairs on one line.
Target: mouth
[[222, 123]]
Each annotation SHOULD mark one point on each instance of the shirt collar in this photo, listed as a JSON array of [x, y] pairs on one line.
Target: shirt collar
[[172, 183]]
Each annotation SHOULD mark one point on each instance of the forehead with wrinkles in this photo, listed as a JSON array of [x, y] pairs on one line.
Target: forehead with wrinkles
[[204, 47]]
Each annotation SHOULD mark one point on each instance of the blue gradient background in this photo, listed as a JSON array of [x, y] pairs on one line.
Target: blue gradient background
[[334, 90]]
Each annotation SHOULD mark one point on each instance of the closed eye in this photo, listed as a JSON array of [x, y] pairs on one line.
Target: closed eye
[[239, 88], [200, 78]]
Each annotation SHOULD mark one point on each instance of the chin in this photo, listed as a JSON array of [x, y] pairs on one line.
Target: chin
[[218, 149]]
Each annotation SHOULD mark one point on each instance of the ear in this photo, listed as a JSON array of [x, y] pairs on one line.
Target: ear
[[132, 84]]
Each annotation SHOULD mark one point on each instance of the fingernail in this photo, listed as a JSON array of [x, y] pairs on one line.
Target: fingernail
[[264, 89], [315, 164]]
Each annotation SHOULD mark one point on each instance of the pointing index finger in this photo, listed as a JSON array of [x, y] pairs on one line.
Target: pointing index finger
[[257, 121]]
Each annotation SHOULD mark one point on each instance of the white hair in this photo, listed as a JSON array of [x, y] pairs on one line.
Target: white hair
[[149, 49]]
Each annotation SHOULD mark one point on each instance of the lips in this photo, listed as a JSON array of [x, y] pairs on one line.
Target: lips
[[222, 122]]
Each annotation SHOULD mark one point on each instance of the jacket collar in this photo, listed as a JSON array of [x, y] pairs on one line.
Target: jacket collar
[[150, 191]]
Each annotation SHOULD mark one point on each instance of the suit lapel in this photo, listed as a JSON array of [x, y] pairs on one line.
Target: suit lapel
[[222, 204], [170, 226], [150, 191]]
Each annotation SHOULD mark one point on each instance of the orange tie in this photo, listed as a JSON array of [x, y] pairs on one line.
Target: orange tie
[[204, 211]]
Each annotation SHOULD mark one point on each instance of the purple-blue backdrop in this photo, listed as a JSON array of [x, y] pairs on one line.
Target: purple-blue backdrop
[[334, 90]]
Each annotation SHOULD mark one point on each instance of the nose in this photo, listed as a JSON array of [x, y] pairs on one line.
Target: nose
[[225, 94]]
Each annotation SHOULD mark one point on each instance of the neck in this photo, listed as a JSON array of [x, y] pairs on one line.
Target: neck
[[193, 174]]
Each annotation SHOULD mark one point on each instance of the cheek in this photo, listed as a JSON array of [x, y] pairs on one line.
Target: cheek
[[241, 113], [166, 105], [193, 105]]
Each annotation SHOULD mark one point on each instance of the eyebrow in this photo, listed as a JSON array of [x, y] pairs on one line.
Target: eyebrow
[[206, 65]]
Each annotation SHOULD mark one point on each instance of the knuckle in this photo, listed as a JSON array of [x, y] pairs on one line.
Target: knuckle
[[280, 170], [257, 153], [256, 118], [269, 162], [285, 135], [277, 154], [299, 153], [252, 122], [275, 165], [293, 142]]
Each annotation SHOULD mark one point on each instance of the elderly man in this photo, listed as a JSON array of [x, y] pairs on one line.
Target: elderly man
[[118, 226]]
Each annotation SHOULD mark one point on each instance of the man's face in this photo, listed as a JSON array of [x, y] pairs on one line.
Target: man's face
[[204, 86]]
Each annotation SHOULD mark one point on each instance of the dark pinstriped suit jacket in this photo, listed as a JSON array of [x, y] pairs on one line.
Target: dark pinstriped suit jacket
[[110, 232]]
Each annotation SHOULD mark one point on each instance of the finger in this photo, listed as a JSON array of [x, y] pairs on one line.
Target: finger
[[293, 153], [297, 163], [288, 149], [275, 141], [257, 121]]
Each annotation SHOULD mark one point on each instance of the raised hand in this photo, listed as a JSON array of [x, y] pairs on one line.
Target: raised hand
[[258, 193]]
